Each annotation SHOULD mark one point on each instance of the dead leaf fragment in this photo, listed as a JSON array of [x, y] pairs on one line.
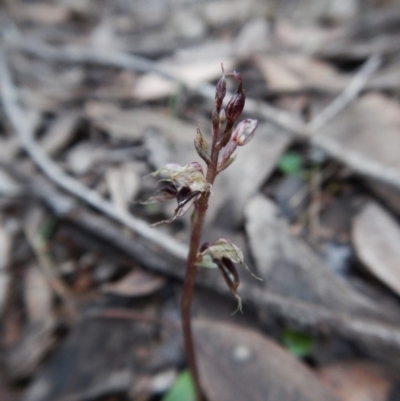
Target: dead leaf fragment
[[356, 381], [123, 184], [366, 135], [38, 295], [376, 236], [82, 157], [291, 268], [241, 364], [253, 164], [60, 133], [293, 73], [135, 284], [41, 13]]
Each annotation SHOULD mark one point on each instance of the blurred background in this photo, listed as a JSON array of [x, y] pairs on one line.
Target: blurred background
[[95, 95]]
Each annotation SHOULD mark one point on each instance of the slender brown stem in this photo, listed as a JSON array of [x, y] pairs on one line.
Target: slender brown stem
[[191, 271]]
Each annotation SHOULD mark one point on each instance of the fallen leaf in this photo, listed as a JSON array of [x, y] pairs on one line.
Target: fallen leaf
[[376, 236], [41, 13], [135, 284], [22, 359], [60, 133], [123, 184], [119, 124], [37, 295], [295, 73], [240, 364], [253, 164], [225, 12], [253, 37], [367, 131], [356, 381], [291, 268], [152, 86], [82, 157]]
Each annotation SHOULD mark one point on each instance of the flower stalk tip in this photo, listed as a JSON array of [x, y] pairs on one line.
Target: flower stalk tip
[[220, 90], [235, 105]]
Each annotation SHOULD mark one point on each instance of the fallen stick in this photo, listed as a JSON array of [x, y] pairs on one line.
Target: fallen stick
[[349, 94], [25, 135]]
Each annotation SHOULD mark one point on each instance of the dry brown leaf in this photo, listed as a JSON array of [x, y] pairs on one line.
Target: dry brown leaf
[[41, 13], [123, 184], [369, 128], [376, 236], [356, 381], [120, 87], [294, 73], [233, 11], [240, 364], [81, 158], [119, 124], [253, 164], [135, 284], [152, 86], [60, 133], [291, 268], [253, 37], [37, 294]]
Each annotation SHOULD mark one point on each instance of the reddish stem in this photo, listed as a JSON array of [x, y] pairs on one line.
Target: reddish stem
[[191, 271]]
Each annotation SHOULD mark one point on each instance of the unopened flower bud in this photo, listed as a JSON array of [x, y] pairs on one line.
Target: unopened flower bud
[[220, 90], [244, 131], [235, 106]]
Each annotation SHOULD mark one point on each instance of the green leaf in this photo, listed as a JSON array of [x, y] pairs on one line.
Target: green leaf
[[182, 390], [290, 163], [298, 343]]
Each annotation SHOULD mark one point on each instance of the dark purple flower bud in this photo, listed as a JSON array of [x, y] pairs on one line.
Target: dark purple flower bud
[[244, 131], [235, 106], [220, 90]]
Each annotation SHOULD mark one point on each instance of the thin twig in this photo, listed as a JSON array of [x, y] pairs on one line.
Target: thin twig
[[349, 94], [25, 133]]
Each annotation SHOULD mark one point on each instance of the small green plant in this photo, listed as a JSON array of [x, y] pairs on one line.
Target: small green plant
[[182, 390], [298, 343], [192, 188]]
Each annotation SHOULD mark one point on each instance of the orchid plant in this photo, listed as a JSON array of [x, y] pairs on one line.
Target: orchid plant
[[192, 189]]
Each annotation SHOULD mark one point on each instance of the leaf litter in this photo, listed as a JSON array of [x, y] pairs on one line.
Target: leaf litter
[[108, 126]]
